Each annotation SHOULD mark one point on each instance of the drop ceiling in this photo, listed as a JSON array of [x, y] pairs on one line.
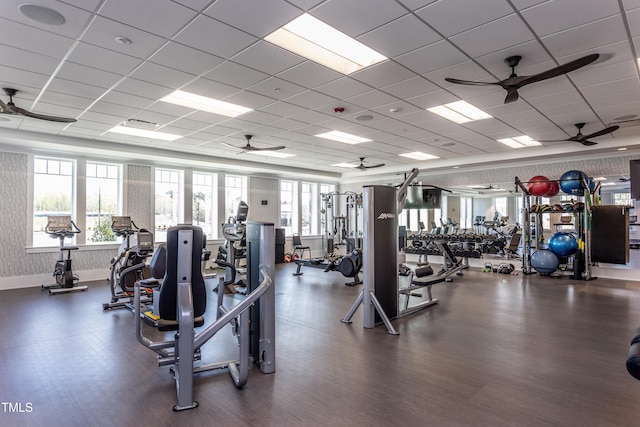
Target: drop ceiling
[[217, 49]]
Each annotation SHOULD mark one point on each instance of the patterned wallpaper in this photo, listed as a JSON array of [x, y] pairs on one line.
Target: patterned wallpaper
[[264, 189], [139, 195]]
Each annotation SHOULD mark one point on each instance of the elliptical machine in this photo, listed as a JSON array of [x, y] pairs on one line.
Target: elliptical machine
[[136, 246], [234, 232], [60, 227]]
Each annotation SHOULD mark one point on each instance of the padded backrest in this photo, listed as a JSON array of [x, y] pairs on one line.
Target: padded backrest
[[158, 263], [169, 290], [296, 240]]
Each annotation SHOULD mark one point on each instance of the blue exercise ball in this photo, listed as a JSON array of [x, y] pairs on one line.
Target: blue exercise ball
[[563, 244], [544, 261], [570, 182]]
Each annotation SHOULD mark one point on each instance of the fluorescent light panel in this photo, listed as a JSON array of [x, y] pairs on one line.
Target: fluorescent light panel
[[607, 183], [267, 153], [313, 39], [519, 141], [418, 155], [347, 138], [144, 133], [600, 178], [345, 165], [198, 102], [459, 112]]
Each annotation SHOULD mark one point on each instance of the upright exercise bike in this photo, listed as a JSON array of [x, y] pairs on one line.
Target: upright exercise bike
[[60, 227]]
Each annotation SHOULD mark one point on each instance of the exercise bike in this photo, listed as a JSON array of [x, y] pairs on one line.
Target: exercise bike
[[60, 227], [136, 246]]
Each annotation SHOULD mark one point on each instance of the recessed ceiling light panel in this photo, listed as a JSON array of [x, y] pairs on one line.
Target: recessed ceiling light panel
[[313, 39], [519, 141], [418, 155], [198, 102], [144, 133], [459, 112], [347, 138]]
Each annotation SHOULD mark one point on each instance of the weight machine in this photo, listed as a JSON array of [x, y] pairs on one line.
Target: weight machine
[[182, 302], [60, 227], [342, 229]]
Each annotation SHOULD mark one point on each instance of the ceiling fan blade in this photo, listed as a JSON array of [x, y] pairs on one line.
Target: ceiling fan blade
[[560, 70], [471, 83], [379, 165], [587, 143], [252, 148], [231, 146], [4, 108], [27, 113], [512, 96], [601, 132]]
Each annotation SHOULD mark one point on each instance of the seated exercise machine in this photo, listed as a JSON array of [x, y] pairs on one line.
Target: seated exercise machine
[[136, 246], [182, 305], [423, 277], [349, 265], [60, 227]]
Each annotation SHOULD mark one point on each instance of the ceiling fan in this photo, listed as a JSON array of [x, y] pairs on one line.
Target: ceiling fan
[[584, 139], [10, 108], [249, 147], [486, 187], [364, 167], [515, 82]]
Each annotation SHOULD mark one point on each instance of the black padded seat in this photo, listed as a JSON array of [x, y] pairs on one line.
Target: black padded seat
[[167, 303]]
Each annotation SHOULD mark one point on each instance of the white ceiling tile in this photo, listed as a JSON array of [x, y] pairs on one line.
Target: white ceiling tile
[[437, 55], [416, 4], [283, 109], [75, 19], [383, 74], [555, 16], [256, 18], [184, 58], [211, 89], [309, 74], [590, 76], [161, 17], [87, 75], [143, 89], [15, 78], [408, 28], [102, 32], [339, 14], [127, 99], [410, 87], [439, 14], [268, 57], [310, 99], [206, 34], [25, 60], [586, 37], [249, 99], [103, 59], [33, 39], [277, 88], [344, 87], [372, 99], [161, 75], [495, 35], [235, 75]]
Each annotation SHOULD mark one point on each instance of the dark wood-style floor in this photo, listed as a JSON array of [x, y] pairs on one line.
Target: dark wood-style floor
[[499, 350]]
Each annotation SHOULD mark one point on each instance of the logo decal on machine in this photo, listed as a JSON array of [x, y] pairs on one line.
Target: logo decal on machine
[[386, 215]]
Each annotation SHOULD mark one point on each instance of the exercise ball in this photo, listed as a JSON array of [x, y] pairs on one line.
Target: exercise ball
[[570, 182], [563, 244], [539, 185], [544, 261], [554, 190]]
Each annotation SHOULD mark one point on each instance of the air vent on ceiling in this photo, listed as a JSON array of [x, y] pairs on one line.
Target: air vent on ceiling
[[140, 124]]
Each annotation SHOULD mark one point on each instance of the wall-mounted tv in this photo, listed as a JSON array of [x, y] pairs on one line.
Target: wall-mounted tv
[[419, 197]]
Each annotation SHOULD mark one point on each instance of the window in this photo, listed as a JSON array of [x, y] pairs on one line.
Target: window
[[500, 206], [53, 194], [204, 203], [168, 201], [103, 201], [622, 199], [235, 190], [466, 212], [310, 210], [288, 207]]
